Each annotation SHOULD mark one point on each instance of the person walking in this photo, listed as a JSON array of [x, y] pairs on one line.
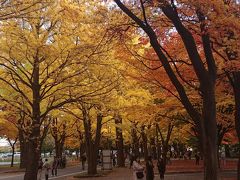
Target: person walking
[[83, 160], [40, 166], [131, 157], [189, 154], [161, 168], [223, 158], [114, 160], [149, 169], [64, 161], [168, 158], [197, 158], [55, 166], [137, 169], [46, 167]]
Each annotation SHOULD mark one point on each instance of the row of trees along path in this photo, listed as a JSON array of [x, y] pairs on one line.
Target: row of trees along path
[[55, 64]]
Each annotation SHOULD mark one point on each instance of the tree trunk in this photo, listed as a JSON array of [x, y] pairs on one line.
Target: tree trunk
[[158, 144], [145, 144], [92, 145], [218, 157], [34, 144], [92, 148], [164, 153], [58, 149], [77, 154], [165, 141], [59, 135], [238, 171], [12, 144], [135, 142], [92, 160], [236, 89], [33, 159], [119, 142], [159, 151], [13, 152], [153, 148], [23, 149], [210, 134], [82, 148]]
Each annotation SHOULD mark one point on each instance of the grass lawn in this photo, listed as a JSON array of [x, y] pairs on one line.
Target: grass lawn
[[100, 173]]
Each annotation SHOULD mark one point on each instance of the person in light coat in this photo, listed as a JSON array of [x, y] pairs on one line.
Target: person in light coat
[[137, 168]]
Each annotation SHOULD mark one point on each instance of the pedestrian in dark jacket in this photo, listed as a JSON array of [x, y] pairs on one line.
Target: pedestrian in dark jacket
[[161, 168], [149, 169], [55, 166], [131, 158], [197, 158], [83, 159], [46, 167], [40, 167]]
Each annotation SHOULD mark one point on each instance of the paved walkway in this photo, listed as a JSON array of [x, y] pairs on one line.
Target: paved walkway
[[178, 170], [126, 174], [190, 166], [63, 174]]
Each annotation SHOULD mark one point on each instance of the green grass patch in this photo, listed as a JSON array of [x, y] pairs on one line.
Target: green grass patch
[[15, 166], [16, 159], [100, 173]]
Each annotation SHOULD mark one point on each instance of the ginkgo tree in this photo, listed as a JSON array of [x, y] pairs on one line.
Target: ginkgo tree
[[18, 9], [61, 128], [9, 130], [91, 115], [45, 60], [116, 77], [93, 111], [136, 102], [130, 98], [15, 117]]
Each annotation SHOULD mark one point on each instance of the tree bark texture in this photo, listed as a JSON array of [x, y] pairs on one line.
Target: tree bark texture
[[12, 144], [91, 143], [119, 142], [145, 143], [23, 149], [58, 132], [236, 89], [12, 159], [135, 142], [34, 144]]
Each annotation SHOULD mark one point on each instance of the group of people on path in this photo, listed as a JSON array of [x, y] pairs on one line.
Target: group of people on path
[[139, 169], [46, 167]]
